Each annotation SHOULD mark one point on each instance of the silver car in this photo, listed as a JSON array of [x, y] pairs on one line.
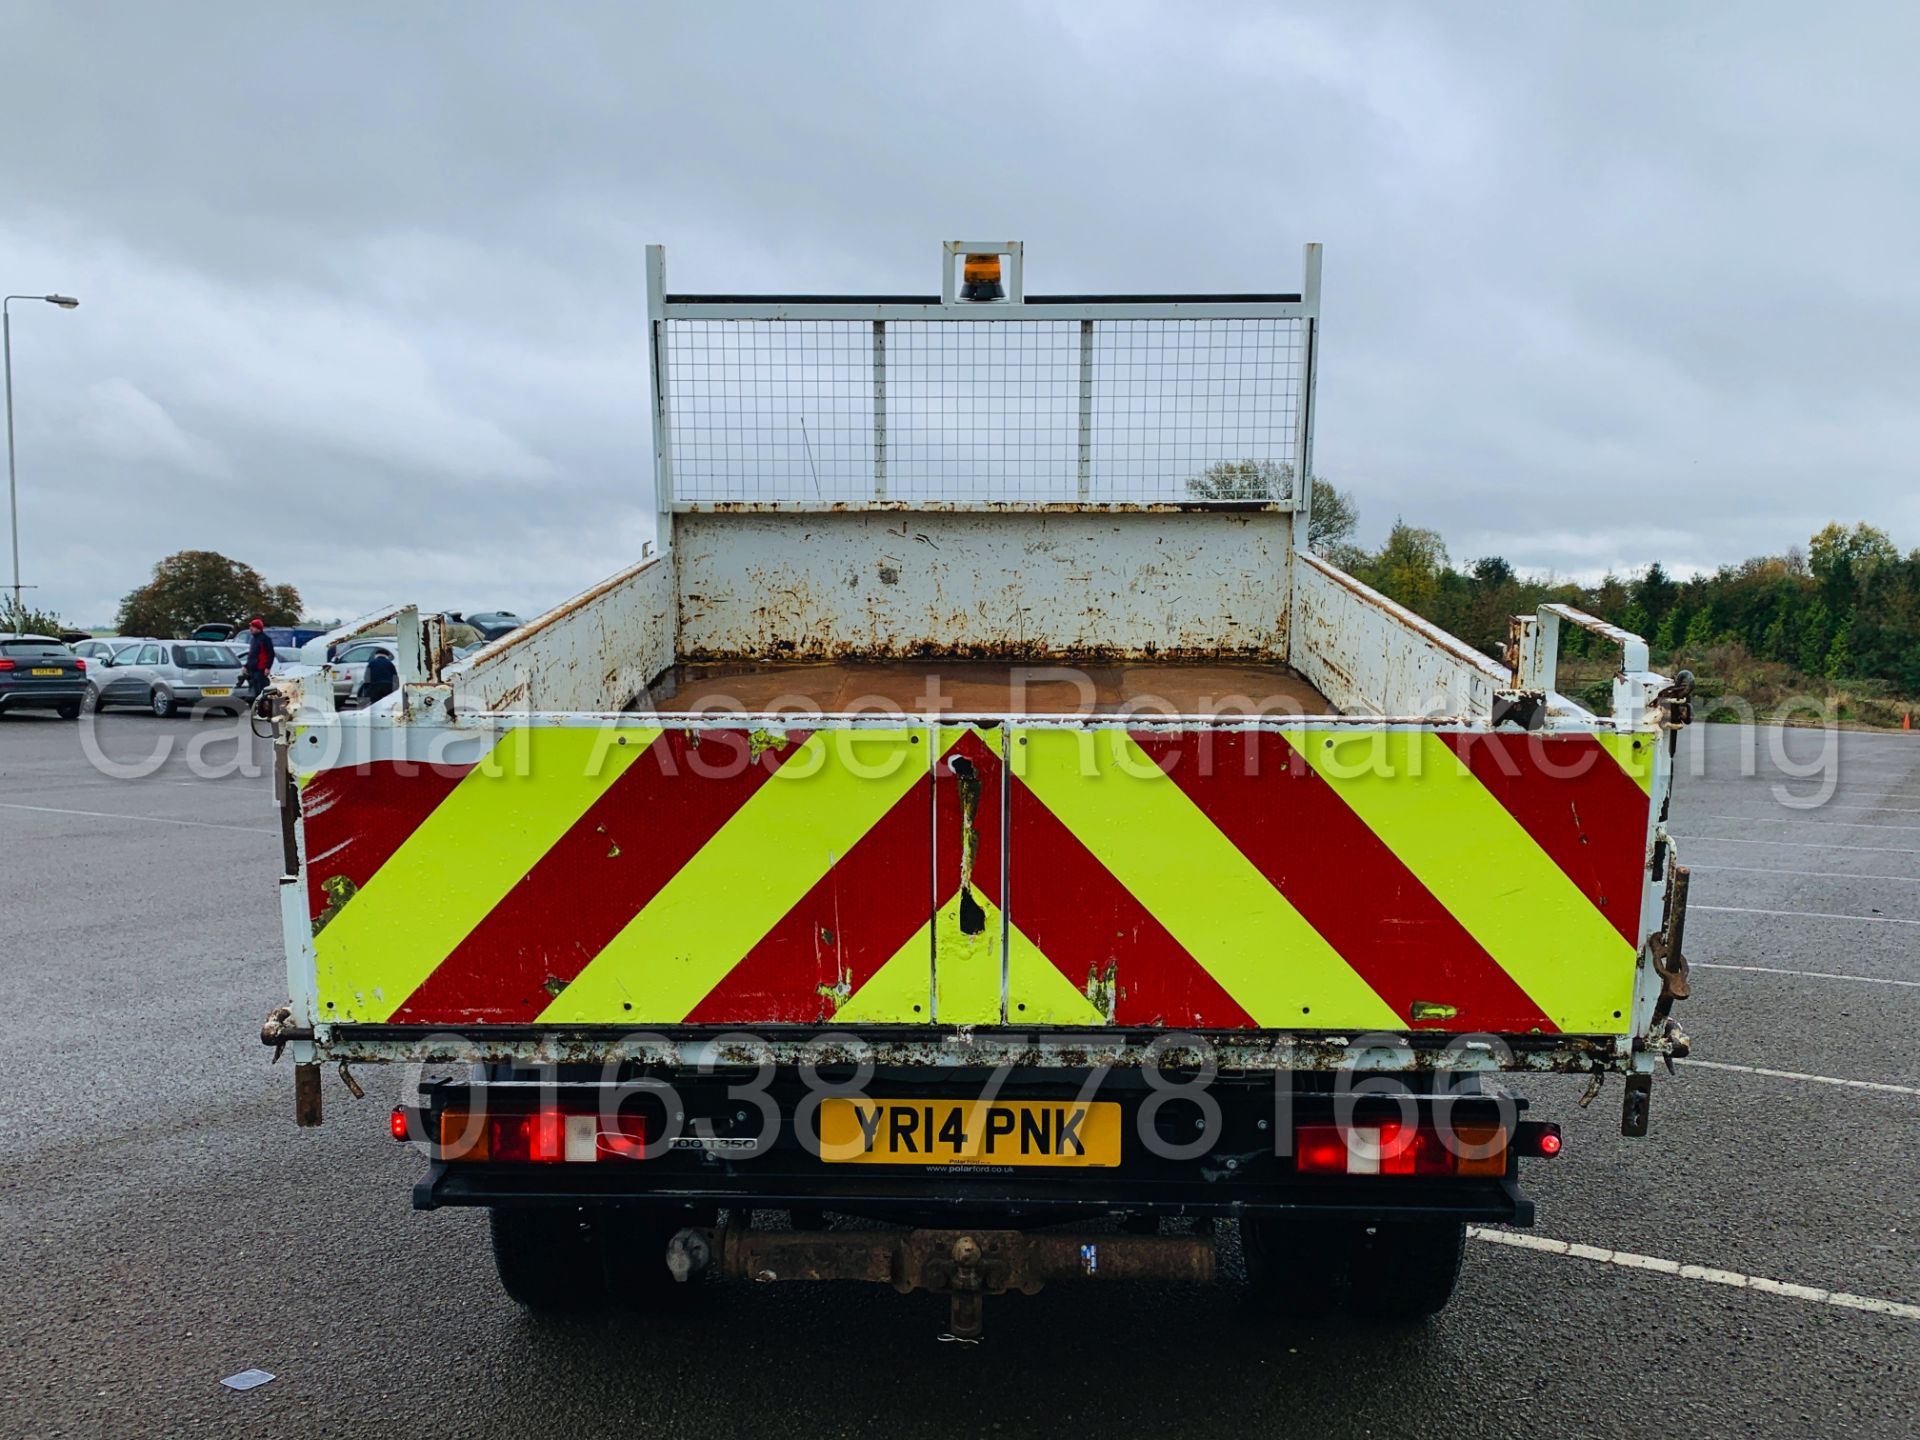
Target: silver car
[[350, 668], [95, 652], [164, 675]]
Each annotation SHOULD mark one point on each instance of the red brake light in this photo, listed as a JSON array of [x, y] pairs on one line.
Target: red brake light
[[397, 1123], [1390, 1147], [6, 664], [1320, 1150], [546, 1136], [80, 662], [1549, 1144], [537, 1137]]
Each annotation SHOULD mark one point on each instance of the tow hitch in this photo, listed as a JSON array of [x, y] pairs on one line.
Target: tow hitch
[[965, 1265]]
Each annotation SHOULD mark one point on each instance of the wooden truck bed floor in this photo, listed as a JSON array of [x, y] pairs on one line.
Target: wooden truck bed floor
[[968, 687]]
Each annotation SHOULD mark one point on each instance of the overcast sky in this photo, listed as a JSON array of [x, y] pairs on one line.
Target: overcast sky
[[363, 292]]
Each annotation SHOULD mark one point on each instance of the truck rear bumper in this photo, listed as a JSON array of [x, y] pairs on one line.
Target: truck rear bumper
[[1226, 1155], [1495, 1201]]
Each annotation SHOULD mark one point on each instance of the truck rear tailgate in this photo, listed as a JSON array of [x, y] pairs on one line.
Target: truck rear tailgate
[[1307, 876]]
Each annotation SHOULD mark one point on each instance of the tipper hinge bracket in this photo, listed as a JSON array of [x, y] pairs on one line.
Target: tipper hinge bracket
[[1664, 946], [1675, 702], [1664, 1036]]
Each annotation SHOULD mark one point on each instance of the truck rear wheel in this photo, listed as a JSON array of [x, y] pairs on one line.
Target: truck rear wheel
[[1406, 1270], [563, 1261], [1295, 1266], [549, 1260]]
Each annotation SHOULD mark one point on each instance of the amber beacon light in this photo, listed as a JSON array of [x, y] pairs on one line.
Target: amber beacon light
[[980, 278]]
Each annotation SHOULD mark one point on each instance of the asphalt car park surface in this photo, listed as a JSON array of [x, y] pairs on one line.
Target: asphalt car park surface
[[163, 1224]]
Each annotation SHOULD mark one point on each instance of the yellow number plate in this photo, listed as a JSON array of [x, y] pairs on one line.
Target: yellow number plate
[[40, 671], [213, 690], [969, 1132]]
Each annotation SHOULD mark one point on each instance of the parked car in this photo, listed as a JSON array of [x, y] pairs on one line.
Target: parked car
[[350, 667], [285, 637], [163, 675], [103, 648], [492, 624], [216, 630], [39, 672]]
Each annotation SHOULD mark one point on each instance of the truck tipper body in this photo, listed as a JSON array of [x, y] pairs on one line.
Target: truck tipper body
[[980, 814]]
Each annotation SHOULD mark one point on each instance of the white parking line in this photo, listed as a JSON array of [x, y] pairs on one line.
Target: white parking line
[[1879, 1085], [1807, 874], [1803, 974], [1804, 820], [1798, 844], [147, 819], [1707, 1273], [1805, 914], [1855, 805], [1863, 805]]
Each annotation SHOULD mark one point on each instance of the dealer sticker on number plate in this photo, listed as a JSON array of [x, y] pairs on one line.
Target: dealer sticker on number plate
[[969, 1132]]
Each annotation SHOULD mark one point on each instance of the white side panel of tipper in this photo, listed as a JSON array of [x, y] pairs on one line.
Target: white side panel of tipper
[[1370, 656], [593, 653]]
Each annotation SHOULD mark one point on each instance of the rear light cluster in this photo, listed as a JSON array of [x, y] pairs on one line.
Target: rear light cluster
[[549, 1135], [1392, 1147]]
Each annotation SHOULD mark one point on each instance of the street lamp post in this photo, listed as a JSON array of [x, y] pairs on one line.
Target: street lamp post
[[65, 302]]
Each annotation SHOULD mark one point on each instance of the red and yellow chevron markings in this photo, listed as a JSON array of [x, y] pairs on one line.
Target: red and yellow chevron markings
[[1232, 879]]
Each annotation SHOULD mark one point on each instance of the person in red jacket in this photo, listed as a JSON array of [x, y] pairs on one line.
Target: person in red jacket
[[259, 657]]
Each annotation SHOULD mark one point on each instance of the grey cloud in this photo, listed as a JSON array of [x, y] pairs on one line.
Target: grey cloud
[[363, 289]]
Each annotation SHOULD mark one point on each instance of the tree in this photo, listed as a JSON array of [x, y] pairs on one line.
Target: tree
[[1815, 636], [1334, 517], [1655, 591], [25, 620], [1664, 639], [1837, 552], [1243, 480], [1411, 567], [195, 587], [1334, 513], [1699, 631], [1493, 572], [1840, 653], [1777, 641]]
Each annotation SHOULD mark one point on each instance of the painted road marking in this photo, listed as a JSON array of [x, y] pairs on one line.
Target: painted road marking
[[1880, 1085], [1805, 914], [147, 819], [1707, 1273], [1856, 805], [1803, 820], [1802, 974], [1807, 874], [1800, 844]]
